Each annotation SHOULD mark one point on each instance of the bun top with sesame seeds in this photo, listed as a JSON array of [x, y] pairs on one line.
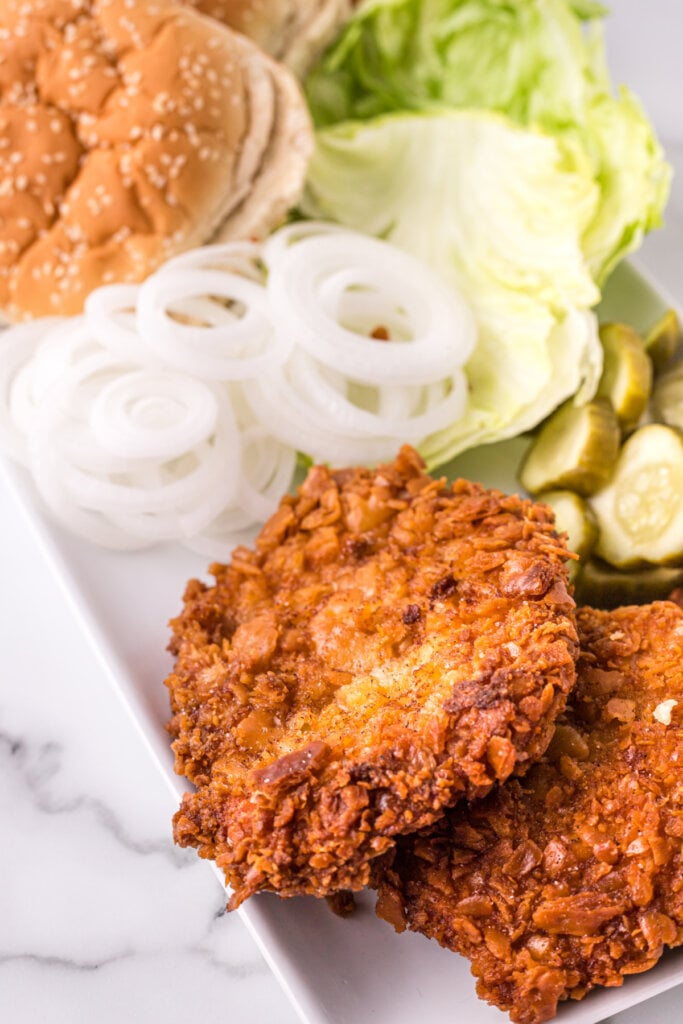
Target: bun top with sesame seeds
[[293, 31], [130, 131]]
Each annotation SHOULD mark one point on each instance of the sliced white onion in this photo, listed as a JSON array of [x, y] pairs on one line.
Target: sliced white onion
[[207, 312], [100, 480], [110, 316], [148, 504], [362, 312], [62, 343], [102, 494], [243, 258], [174, 410], [162, 289], [278, 406], [222, 478], [79, 380], [47, 469], [81, 449], [63, 353], [18, 346], [234, 350], [268, 468], [212, 494], [441, 405], [153, 414], [394, 403], [313, 276], [277, 246]]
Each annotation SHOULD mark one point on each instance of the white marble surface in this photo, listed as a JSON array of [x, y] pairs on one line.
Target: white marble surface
[[101, 919]]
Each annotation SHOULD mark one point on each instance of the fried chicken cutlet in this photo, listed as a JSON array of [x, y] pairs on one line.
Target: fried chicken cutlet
[[571, 877], [391, 644]]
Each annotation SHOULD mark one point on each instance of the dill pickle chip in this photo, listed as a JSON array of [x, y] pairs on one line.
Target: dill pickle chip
[[601, 586], [663, 340], [640, 511], [667, 397], [575, 450], [627, 373], [575, 517]]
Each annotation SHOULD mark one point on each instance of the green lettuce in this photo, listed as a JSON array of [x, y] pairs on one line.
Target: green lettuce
[[483, 136], [499, 211], [633, 176], [528, 59], [539, 62]]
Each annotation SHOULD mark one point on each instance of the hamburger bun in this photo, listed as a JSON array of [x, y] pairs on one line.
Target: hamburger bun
[[293, 31], [129, 133]]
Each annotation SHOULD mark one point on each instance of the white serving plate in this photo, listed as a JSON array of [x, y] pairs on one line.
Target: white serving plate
[[354, 971]]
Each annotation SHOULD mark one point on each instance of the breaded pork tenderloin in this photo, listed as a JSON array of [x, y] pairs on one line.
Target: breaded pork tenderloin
[[391, 644], [571, 877]]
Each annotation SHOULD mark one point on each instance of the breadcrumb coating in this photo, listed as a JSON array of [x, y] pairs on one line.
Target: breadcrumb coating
[[570, 877], [391, 644]]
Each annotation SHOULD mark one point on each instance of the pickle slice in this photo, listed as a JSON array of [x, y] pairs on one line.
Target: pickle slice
[[663, 340], [576, 518], [640, 512], [667, 397], [627, 373], [601, 586], [575, 450]]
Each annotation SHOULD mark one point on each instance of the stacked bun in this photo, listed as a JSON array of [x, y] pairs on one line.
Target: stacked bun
[[129, 132], [293, 31]]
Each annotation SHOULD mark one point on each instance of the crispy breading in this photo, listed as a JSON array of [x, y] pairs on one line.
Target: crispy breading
[[570, 877], [391, 643]]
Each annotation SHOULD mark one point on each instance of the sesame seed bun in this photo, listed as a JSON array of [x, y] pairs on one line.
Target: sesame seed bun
[[129, 132], [293, 31]]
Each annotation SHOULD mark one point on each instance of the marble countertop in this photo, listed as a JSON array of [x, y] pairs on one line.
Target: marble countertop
[[101, 918]]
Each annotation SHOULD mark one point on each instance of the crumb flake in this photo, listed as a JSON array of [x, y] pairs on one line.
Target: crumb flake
[[662, 713]]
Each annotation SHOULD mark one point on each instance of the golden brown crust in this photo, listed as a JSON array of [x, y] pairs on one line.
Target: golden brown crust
[[391, 644], [129, 133], [293, 31], [571, 877]]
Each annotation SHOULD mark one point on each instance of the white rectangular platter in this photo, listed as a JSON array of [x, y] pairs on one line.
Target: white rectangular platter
[[353, 971]]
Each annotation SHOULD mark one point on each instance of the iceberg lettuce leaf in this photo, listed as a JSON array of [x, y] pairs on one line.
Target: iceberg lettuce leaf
[[500, 212], [540, 62], [634, 180], [530, 60]]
